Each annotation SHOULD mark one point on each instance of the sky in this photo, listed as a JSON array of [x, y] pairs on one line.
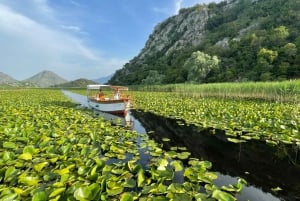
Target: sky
[[78, 38]]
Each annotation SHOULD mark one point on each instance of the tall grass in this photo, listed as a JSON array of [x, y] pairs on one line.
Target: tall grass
[[285, 91]]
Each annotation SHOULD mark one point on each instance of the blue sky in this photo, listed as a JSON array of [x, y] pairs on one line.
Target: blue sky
[[77, 38]]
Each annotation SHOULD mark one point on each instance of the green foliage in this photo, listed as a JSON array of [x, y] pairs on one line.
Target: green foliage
[[153, 78], [199, 65], [238, 33]]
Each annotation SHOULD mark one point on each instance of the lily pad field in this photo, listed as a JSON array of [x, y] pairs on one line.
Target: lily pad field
[[52, 150]]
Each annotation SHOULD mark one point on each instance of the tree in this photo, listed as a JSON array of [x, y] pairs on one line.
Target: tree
[[153, 78], [267, 55], [289, 50], [278, 36], [199, 65], [265, 58]]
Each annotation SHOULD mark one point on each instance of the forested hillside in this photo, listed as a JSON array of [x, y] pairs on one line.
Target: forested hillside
[[237, 40]]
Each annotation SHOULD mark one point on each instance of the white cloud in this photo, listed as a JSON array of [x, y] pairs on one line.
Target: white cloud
[[28, 47], [178, 4], [75, 3], [71, 28]]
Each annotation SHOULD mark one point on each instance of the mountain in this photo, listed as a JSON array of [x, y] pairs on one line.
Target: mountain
[[103, 80], [79, 83], [235, 40], [44, 79], [8, 80]]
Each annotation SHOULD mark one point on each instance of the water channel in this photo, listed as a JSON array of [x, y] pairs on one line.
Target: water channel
[[264, 167]]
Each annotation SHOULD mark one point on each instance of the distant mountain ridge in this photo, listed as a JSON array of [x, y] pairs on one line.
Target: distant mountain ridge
[[79, 83], [8, 80], [103, 80], [48, 78], [44, 79]]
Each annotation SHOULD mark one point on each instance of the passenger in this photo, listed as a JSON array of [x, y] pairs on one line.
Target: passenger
[[100, 95], [117, 94]]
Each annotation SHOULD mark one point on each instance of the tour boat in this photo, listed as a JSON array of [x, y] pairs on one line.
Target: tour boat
[[108, 98]]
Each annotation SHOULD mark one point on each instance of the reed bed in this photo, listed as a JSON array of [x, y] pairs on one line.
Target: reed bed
[[285, 91]]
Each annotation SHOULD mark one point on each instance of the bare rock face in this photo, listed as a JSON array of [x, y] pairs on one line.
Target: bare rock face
[[182, 30]]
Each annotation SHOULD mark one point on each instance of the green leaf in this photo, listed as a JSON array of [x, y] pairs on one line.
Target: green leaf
[[183, 155], [9, 197], [29, 149], [19, 191], [179, 197], [39, 196], [234, 140], [129, 183], [95, 190], [25, 156], [114, 191], [163, 164], [28, 180], [177, 165], [38, 167], [160, 198], [165, 139], [176, 188], [82, 193], [276, 189], [10, 173], [83, 170], [126, 197], [8, 155], [9, 145], [65, 149], [141, 178], [222, 196]]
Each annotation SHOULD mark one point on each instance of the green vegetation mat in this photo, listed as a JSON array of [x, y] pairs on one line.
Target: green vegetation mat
[[49, 150], [241, 119]]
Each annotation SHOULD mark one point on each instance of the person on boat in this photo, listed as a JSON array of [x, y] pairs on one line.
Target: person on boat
[[100, 95], [117, 94]]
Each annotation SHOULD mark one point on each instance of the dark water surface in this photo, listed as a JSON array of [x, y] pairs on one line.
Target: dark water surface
[[264, 167]]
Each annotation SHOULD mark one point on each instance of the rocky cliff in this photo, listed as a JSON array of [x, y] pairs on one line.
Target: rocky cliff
[[236, 31], [182, 30]]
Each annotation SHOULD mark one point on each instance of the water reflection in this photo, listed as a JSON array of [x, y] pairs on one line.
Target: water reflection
[[264, 167], [118, 120]]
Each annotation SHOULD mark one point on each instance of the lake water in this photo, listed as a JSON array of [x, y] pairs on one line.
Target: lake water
[[264, 167]]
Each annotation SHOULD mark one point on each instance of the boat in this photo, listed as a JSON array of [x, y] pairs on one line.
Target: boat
[[108, 98]]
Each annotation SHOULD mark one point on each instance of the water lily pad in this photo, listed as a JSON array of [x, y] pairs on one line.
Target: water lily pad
[[177, 165], [9, 145], [222, 196], [126, 197], [25, 156], [28, 180], [40, 166], [183, 155], [39, 196], [57, 192]]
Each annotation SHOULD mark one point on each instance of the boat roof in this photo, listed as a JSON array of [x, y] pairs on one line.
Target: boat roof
[[98, 86]]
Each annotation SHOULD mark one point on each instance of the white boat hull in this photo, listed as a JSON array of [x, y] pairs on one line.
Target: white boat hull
[[110, 106]]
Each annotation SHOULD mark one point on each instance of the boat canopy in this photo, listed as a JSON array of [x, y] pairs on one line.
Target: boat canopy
[[98, 86]]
